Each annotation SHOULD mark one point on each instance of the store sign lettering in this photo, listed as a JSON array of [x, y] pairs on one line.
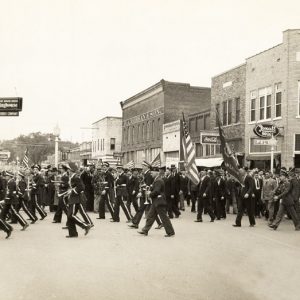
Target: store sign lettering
[[266, 130], [143, 117]]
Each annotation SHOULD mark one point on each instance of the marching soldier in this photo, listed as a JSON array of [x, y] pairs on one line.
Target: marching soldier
[[121, 191], [106, 187], [75, 203], [158, 206], [37, 192]]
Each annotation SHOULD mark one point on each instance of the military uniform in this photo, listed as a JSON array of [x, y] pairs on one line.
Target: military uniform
[[36, 195]]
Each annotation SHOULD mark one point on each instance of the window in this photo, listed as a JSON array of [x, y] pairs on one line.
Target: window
[[112, 144], [229, 109], [265, 103], [199, 150], [152, 130], [277, 100], [225, 113], [237, 110], [98, 144], [158, 128], [124, 136], [192, 125], [128, 135], [297, 142], [299, 98], [103, 144], [217, 111], [207, 150], [133, 135], [205, 122], [148, 130], [252, 105]]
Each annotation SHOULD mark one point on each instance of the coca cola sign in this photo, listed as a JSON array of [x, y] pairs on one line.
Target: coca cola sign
[[266, 130], [209, 138]]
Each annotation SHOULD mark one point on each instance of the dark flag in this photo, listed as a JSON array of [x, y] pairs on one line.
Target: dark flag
[[230, 161], [189, 155]]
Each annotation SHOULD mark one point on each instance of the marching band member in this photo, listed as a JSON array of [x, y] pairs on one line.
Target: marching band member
[[133, 189], [75, 203], [36, 192], [158, 207], [121, 191], [63, 188], [11, 201]]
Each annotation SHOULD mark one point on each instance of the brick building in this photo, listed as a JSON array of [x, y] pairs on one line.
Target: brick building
[[228, 96], [272, 96], [106, 139], [145, 113]]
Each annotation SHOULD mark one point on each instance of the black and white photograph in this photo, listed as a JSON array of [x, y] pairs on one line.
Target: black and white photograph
[[149, 150]]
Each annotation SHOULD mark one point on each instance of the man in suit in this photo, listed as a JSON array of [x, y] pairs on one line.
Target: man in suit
[[286, 200], [75, 201], [246, 199], [268, 190], [158, 206], [258, 186], [183, 188], [295, 187], [218, 194], [204, 197]]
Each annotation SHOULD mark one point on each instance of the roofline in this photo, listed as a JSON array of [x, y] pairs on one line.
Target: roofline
[[161, 84], [200, 112], [236, 67], [111, 117], [264, 51]]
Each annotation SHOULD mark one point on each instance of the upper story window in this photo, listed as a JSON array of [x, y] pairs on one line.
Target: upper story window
[[112, 144], [225, 111], [217, 111], [252, 105], [278, 95], [265, 96], [237, 110], [298, 97]]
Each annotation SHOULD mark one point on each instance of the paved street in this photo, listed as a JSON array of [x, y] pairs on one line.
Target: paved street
[[203, 261]]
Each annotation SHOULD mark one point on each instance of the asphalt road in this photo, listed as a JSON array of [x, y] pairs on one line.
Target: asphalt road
[[203, 261]]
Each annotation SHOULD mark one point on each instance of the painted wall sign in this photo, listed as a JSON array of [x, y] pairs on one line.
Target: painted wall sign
[[143, 117]]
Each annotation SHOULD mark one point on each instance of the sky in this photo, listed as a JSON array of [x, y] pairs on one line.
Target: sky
[[74, 61]]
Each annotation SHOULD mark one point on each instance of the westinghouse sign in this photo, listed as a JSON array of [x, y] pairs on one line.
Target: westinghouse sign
[[10, 106], [209, 138]]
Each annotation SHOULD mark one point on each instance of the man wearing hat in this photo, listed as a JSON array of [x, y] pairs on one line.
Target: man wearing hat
[[62, 190], [286, 201], [295, 187], [218, 195], [158, 206], [11, 201], [107, 192], [121, 191], [37, 192], [75, 203]]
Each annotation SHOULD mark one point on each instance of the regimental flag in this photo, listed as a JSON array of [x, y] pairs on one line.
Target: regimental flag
[[156, 162], [129, 165], [25, 160], [189, 154], [230, 161]]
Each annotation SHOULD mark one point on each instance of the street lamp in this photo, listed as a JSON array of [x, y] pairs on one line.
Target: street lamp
[[56, 133]]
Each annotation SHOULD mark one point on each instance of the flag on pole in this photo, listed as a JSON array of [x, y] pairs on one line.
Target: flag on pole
[[230, 161], [189, 154], [25, 160], [129, 165], [156, 162]]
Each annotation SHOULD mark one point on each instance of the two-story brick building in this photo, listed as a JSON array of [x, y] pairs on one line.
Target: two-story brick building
[[145, 113]]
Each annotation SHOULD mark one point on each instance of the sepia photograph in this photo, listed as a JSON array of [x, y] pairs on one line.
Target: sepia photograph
[[149, 150]]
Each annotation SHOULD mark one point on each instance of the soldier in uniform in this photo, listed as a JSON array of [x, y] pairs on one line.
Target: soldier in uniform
[[11, 201], [75, 203], [63, 188], [106, 190], [37, 192], [158, 207], [121, 191]]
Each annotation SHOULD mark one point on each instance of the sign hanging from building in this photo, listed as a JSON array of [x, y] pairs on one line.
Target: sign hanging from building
[[211, 138], [117, 154], [10, 107], [266, 130], [265, 142]]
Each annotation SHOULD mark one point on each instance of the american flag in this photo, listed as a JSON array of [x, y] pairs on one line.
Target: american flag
[[156, 162], [189, 154], [129, 165], [25, 160]]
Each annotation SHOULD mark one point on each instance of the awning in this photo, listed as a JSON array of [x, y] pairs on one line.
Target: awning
[[209, 162]]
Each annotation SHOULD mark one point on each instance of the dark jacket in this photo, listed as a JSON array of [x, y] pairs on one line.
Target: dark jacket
[[157, 193], [77, 186], [295, 188], [148, 178], [183, 184], [218, 188], [11, 197], [286, 195], [248, 187], [38, 185], [121, 185], [64, 185], [205, 187], [172, 185], [133, 185]]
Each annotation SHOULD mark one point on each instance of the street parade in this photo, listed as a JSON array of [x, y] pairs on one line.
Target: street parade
[[149, 150]]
